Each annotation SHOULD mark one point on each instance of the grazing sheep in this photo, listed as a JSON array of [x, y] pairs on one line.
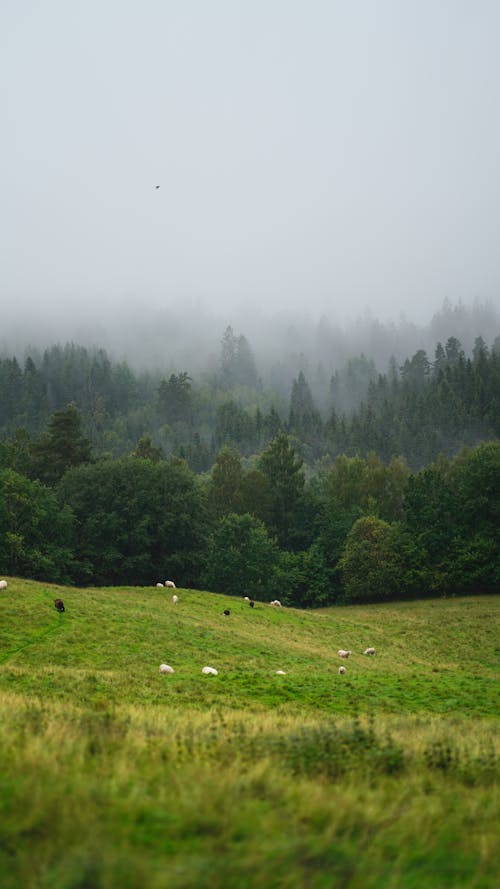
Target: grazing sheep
[[164, 668], [209, 671], [342, 670], [246, 598], [343, 653], [59, 605], [251, 603], [276, 602], [160, 586], [175, 599], [280, 673], [170, 584], [227, 612], [369, 651], [3, 584]]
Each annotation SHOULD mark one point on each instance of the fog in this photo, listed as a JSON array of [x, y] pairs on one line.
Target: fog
[[324, 165]]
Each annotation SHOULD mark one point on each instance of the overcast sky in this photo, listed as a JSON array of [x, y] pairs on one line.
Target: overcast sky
[[330, 155]]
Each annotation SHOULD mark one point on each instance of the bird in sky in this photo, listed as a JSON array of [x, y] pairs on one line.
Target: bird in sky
[[157, 186]]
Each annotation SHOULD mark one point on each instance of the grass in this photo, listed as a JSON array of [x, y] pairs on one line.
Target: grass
[[113, 775]]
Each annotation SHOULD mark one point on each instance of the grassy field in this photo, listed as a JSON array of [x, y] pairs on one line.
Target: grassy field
[[112, 775]]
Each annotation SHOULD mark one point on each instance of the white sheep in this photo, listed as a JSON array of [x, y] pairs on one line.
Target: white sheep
[[209, 671], [175, 599], [342, 670], [343, 653], [165, 668], [159, 586], [276, 602], [280, 673], [170, 584], [369, 651], [3, 584], [246, 598]]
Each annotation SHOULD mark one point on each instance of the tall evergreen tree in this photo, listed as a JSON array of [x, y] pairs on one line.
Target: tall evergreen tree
[[283, 469], [174, 398], [245, 370], [225, 490], [62, 447], [454, 351], [439, 360], [229, 350]]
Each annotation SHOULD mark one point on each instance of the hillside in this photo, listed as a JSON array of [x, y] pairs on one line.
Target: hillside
[[432, 656], [115, 775]]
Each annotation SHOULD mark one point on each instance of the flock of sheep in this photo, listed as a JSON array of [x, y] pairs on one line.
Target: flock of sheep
[[343, 653], [211, 671]]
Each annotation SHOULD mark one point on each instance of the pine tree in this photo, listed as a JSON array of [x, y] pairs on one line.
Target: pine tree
[[146, 450], [61, 447], [283, 469], [225, 490], [174, 398]]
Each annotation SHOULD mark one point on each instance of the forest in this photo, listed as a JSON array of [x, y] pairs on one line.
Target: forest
[[367, 485]]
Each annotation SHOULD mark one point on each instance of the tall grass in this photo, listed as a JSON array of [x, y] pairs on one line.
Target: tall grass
[[114, 776]]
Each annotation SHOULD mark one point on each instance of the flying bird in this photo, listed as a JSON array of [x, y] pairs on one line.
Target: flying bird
[[157, 186]]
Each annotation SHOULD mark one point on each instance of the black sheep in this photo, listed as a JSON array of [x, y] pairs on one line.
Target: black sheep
[[59, 605], [227, 612], [251, 603]]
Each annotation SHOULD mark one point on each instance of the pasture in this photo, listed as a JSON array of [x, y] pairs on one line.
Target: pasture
[[113, 775]]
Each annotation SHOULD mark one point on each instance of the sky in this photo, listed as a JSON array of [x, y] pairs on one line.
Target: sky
[[332, 156]]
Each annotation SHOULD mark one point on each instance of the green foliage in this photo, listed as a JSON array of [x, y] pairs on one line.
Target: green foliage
[[137, 520], [146, 450], [241, 557], [452, 516], [257, 496], [61, 448], [416, 370], [237, 364], [283, 469], [36, 533], [302, 579], [371, 564], [175, 399], [331, 753], [234, 427], [225, 491], [304, 418], [417, 413], [447, 510]]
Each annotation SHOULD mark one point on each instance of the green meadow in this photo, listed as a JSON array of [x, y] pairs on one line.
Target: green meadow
[[114, 776]]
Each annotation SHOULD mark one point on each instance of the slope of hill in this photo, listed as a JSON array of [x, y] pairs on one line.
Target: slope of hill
[[114, 775]]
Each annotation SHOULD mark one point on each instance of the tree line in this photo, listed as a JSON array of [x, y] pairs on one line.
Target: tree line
[[416, 410], [357, 529]]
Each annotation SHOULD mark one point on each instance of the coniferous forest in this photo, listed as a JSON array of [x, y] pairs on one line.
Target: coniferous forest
[[367, 484]]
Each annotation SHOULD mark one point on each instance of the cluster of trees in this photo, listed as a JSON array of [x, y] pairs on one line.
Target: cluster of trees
[[358, 529], [418, 410]]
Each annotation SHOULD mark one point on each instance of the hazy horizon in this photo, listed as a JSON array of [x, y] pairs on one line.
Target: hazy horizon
[[328, 159]]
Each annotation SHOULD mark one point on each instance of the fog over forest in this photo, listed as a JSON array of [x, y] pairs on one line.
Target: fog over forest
[[189, 337], [319, 176]]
